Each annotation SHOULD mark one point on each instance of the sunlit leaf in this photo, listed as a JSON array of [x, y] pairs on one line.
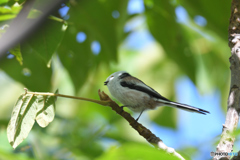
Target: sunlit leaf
[[22, 119], [47, 112], [135, 151], [4, 10], [3, 1], [7, 17], [16, 51]]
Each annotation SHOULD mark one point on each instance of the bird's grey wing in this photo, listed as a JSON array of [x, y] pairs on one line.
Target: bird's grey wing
[[140, 86]]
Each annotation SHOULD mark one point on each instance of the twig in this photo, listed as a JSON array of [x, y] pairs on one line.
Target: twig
[[227, 138], [103, 103]]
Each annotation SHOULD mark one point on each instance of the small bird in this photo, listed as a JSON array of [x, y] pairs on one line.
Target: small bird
[[138, 96]]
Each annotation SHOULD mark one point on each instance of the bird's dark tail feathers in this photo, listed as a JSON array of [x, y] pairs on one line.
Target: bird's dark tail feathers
[[185, 107]]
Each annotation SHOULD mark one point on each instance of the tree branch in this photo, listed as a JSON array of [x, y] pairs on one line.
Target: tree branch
[[227, 138], [143, 131], [105, 100]]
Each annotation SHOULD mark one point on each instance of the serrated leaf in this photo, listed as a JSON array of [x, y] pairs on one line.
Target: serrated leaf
[[47, 112], [22, 119], [16, 51]]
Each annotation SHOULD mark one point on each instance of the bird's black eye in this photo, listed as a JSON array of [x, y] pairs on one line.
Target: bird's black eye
[[123, 75]]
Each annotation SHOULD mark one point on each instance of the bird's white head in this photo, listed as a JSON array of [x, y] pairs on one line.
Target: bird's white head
[[115, 77]]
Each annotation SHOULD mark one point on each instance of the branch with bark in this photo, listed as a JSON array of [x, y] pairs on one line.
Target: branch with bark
[[143, 131], [227, 137]]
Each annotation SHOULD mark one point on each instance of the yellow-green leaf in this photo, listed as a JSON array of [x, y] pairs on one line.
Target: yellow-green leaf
[[16, 51]]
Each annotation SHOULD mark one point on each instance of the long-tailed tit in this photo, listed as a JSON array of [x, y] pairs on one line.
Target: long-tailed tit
[[138, 97]]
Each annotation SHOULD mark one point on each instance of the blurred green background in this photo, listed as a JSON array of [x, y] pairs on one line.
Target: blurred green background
[[160, 42]]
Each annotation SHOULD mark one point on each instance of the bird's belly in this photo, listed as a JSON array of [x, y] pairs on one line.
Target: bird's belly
[[134, 100]]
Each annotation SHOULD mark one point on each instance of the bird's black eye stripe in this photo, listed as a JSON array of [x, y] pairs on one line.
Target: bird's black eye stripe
[[124, 75]]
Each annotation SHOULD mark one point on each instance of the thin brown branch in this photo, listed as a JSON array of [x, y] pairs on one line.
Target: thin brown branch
[[103, 103], [143, 131], [227, 138]]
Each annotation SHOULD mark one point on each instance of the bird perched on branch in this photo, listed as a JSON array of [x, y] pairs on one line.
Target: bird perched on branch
[[138, 96]]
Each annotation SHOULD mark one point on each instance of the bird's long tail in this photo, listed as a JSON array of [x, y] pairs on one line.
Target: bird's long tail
[[185, 107]]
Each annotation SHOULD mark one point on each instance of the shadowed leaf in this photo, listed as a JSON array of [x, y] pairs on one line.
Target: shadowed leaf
[[47, 39]]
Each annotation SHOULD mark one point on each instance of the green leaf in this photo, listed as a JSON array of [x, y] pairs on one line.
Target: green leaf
[[171, 35], [3, 1], [76, 58], [16, 51], [47, 39], [47, 113], [132, 151], [22, 119], [34, 73], [7, 17], [88, 17], [4, 10], [215, 22], [28, 108]]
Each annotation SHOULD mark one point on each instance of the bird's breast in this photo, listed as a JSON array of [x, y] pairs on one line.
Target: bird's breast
[[133, 99]]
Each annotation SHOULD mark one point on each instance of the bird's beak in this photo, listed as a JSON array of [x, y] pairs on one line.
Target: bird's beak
[[106, 82]]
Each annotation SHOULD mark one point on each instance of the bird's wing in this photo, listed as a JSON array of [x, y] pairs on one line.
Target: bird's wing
[[136, 84]]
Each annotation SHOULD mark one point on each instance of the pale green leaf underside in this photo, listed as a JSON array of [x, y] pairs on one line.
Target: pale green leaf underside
[[22, 120], [28, 108]]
